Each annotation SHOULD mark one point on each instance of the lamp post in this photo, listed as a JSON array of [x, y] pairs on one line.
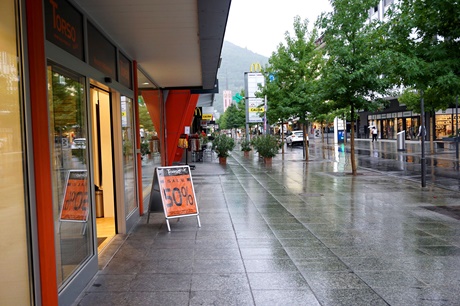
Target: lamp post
[[456, 130], [422, 134]]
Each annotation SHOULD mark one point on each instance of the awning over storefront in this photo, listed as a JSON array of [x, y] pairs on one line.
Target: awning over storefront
[[177, 43]]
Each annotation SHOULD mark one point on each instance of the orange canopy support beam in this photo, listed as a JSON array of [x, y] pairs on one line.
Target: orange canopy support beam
[[153, 101], [153, 104], [180, 108]]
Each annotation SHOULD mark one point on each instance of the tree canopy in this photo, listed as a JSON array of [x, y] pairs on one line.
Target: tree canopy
[[353, 77], [424, 38], [292, 76], [233, 117]]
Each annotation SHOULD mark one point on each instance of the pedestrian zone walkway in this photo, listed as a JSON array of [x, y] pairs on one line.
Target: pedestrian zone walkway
[[293, 233]]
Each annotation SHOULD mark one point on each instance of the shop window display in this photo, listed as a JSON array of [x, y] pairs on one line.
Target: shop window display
[[443, 126]]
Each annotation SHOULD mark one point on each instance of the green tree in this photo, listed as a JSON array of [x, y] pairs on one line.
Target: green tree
[[66, 105], [292, 76], [353, 76], [144, 118], [424, 42], [277, 99], [233, 117]]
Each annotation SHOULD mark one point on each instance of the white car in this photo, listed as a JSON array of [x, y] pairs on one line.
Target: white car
[[295, 138]]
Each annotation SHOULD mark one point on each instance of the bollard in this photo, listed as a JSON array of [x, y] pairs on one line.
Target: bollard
[[401, 141]]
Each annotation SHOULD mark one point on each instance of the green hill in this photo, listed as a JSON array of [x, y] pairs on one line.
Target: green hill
[[235, 62]]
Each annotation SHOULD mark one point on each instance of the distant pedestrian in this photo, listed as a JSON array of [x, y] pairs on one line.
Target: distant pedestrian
[[421, 132], [374, 133]]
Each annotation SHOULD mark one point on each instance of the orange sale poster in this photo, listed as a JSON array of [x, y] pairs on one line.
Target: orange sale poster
[[75, 204]]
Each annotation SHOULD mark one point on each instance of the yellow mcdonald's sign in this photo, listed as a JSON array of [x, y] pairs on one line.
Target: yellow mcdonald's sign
[[206, 117], [198, 111], [255, 67]]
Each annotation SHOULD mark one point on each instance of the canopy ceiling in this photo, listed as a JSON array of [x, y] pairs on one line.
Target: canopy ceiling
[[176, 43]]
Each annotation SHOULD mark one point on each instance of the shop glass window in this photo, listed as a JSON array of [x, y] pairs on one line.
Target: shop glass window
[[69, 159], [129, 141], [444, 126], [150, 142], [14, 254]]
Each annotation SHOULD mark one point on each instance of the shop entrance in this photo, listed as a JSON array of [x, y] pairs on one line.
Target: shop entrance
[[412, 126], [103, 166]]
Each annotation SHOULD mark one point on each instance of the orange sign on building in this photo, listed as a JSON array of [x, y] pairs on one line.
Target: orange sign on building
[[75, 204], [177, 192]]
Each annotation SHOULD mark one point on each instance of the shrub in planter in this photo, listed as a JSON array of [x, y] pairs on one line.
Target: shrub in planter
[[222, 145], [266, 145], [145, 148], [245, 145]]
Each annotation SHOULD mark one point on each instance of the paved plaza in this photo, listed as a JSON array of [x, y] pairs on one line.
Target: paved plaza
[[299, 233]]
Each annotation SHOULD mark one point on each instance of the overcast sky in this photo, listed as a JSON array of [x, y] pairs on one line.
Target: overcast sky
[[259, 25]]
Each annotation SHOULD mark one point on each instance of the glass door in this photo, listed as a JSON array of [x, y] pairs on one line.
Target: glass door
[[70, 168]]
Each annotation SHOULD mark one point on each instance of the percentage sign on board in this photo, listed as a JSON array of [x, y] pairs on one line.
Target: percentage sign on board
[[188, 197]]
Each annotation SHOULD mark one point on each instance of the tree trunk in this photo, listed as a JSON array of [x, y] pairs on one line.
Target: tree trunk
[[432, 130], [352, 141], [305, 136], [322, 132], [282, 138]]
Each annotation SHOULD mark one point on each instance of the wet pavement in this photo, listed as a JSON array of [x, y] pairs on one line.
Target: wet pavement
[[299, 233]]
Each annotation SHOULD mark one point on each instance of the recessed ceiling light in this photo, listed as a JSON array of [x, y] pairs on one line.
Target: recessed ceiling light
[[145, 83]]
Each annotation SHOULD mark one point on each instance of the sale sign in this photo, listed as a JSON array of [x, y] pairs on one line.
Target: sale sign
[[75, 202], [177, 192]]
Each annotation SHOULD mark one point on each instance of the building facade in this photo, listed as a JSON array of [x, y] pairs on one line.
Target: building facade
[[396, 117], [70, 82]]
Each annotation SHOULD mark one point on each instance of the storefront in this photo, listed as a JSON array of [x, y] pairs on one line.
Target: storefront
[[445, 123], [68, 150], [93, 142], [389, 124]]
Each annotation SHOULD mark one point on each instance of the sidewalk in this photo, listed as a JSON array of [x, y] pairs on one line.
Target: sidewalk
[[294, 233]]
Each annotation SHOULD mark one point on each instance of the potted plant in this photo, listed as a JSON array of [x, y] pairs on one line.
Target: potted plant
[[145, 149], [267, 146], [203, 139], [245, 147], [222, 145]]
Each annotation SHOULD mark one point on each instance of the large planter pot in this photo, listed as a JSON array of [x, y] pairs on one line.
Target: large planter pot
[[268, 160], [246, 153], [222, 160]]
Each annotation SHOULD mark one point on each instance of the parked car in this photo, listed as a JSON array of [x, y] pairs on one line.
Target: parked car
[[79, 143], [295, 138]]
